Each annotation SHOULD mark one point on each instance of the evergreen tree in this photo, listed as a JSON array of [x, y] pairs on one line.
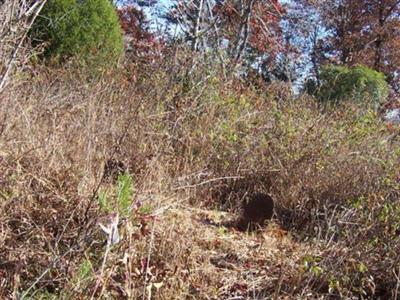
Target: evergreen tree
[[87, 30]]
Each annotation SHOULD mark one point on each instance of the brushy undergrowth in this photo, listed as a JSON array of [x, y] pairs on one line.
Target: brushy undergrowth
[[183, 140]]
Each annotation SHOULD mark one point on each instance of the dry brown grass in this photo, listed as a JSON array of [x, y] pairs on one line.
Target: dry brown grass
[[194, 147]]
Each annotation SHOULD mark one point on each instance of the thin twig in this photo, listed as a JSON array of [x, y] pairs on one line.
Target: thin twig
[[53, 263], [148, 259], [206, 182], [11, 61]]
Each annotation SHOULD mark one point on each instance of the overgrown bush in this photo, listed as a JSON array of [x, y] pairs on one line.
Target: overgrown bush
[[190, 142], [357, 83], [86, 30]]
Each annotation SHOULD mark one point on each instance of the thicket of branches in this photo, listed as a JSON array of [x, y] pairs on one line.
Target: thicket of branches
[[164, 147]]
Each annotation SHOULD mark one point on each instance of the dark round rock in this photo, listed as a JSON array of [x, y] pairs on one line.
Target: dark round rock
[[257, 209]]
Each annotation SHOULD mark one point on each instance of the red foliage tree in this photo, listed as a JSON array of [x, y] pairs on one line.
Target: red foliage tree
[[140, 42], [240, 27], [364, 32], [254, 24]]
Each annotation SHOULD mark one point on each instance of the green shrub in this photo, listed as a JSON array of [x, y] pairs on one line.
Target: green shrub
[[122, 193], [358, 83], [87, 30], [125, 193]]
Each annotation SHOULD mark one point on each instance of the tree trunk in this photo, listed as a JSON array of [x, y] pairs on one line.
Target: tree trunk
[[195, 40], [243, 34]]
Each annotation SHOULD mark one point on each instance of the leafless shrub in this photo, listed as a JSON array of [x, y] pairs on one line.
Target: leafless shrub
[[191, 143], [16, 18]]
